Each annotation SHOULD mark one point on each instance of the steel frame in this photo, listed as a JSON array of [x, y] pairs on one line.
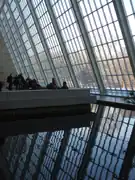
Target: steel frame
[[41, 35], [31, 42], [58, 33]]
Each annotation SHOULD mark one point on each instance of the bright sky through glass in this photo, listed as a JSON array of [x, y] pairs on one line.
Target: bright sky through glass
[[86, 10], [104, 34]]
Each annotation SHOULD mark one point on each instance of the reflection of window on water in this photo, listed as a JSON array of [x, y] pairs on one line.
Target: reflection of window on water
[[103, 161], [111, 144], [117, 122]]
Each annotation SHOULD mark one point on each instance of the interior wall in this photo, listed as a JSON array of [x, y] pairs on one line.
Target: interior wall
[[6, 64]]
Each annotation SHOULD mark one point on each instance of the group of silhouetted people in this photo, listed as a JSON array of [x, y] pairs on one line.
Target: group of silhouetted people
[[20, 83], [53, 85]]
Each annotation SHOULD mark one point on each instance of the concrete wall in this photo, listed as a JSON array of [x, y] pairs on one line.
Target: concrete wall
[[6, 64], [45, 98]]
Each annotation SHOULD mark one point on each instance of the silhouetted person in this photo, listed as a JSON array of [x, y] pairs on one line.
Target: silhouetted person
[[16, 82], [52, 85], [21, 81], [64, 85], [34, 84], [29, 82], [10, 82]]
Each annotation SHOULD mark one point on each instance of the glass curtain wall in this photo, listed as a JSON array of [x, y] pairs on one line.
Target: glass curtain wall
[[45, 40]]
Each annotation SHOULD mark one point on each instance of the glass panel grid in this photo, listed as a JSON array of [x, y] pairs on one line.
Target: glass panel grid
[[74, 43], [13, 31], [108, 44], [104, 34], [17, 43], [37, 43], [52, 42], [130, 14]]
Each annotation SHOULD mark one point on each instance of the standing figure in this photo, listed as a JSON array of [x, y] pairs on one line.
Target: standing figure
[[34, 84], [21, 81], [16, 82], [10, 82]]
